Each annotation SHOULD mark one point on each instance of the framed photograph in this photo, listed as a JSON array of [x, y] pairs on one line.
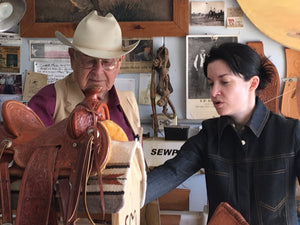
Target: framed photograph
[[199, 105], [146, 18], [10, 59], [207, 13], [10, 84], [140, 59]]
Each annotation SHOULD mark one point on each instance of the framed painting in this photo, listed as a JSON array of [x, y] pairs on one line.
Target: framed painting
[[199, 105], [172, 20]]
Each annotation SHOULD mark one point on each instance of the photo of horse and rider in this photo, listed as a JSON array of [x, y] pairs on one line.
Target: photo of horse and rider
[[207, 13]]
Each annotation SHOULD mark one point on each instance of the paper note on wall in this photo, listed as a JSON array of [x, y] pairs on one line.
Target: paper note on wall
[[33, 83], [54, 70]]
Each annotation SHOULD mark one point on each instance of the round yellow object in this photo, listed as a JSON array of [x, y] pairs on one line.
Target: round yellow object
[[278, 19]]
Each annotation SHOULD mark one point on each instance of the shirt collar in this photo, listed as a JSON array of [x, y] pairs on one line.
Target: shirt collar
[[259, 117], [256, 123]]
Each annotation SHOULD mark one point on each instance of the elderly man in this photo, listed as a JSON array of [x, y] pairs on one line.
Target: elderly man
[[96, 54]]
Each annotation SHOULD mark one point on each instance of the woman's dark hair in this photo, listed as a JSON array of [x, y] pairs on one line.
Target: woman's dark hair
[[243, 61]]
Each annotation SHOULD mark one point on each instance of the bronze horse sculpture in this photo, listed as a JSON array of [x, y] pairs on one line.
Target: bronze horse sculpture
[[60, 157]]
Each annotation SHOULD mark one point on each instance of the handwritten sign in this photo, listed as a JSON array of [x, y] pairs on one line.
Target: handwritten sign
[[54, 70]]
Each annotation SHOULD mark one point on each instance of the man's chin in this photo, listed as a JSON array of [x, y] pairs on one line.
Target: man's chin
[[96, 90]]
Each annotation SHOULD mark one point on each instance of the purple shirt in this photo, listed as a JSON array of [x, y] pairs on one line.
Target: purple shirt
[[43, 104]]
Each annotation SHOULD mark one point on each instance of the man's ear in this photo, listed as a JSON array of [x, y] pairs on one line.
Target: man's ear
[[121, 60], [254, 81]]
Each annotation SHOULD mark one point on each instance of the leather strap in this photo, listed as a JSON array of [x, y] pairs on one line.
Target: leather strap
[[36, 188], [5, 192], [270, 94], [64, 192]]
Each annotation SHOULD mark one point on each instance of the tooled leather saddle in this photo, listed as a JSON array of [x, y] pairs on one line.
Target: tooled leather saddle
[[60, 157]]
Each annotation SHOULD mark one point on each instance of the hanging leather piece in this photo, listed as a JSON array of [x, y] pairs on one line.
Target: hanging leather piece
[[291, 93], [270, 94], [161, 64], [153, 104]]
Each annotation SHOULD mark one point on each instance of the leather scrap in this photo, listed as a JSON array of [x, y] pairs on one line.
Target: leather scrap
[[290, 105], [269, 95]]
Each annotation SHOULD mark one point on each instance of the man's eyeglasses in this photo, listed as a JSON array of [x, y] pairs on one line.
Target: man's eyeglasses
[[88, 62]]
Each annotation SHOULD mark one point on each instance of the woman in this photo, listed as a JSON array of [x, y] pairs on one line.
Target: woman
[[250, 154]]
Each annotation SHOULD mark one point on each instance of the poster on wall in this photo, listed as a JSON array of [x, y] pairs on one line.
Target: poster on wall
[[199, 105], [140, 59]]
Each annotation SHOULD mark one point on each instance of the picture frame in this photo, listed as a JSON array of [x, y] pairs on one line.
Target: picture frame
[[206, 13], [199, 105], [10, 59], [179, 26], [139, 60]]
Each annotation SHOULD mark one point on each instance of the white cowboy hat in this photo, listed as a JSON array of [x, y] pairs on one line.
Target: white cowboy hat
[[98, 36], [11, 12]]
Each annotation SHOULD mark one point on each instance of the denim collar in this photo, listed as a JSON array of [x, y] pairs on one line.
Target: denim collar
[[256, 123]]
